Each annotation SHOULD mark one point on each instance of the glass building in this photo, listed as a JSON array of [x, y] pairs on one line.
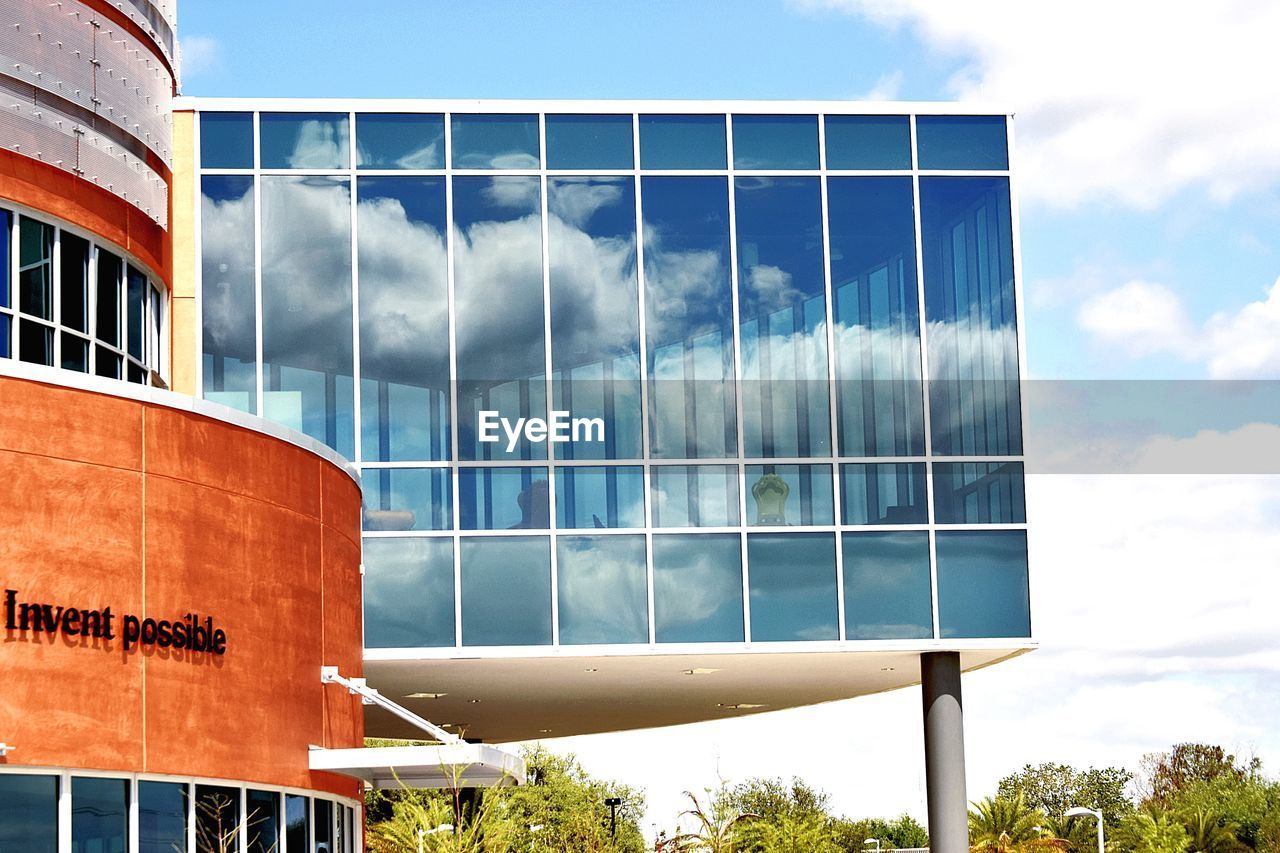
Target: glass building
[[633, 380]]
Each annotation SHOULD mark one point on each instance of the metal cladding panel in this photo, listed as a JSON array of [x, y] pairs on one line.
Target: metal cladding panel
[[158, 19], [134, 89]]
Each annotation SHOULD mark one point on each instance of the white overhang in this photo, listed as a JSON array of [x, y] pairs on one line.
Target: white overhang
[[456, 765]]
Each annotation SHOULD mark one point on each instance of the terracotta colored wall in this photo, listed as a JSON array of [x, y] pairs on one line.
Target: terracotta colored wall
[[158, 512]]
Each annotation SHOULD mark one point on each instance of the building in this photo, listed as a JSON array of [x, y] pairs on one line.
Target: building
[[660, 411]]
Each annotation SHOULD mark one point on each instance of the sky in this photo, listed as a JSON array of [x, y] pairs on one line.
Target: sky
[[1148, 174]]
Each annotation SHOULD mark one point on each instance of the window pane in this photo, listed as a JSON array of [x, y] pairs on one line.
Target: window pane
[[689, 311], [790, 494], [162, 818], [978, 493], [506, 591], [495, 141], [595, 339], [404, 319], [110, 273], [324, 826], [262, 821], [962, 142], [697, 588], [35, 342], [877, 322], [226, 140], [306, 307], [969, 304], [497, 244], [399, 141], [75, 353], [793, 586], [589, 142], [6, 346], [407, 499], [886, 493], [503, 498], [74, 285], [775, 142], [28, 814], [6, 253], [886, 586], [782, 307], [982, 584], [695, 495], [304, 141], [591, 497], [603, 592], [35, 268], [297, 822], [682, 142], [868, 142], [408, 593], [217, 818], [106, 363], [136, 316], [227, 291]]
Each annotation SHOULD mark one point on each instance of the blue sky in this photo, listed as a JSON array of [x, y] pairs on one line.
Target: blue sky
[[1149, 174]]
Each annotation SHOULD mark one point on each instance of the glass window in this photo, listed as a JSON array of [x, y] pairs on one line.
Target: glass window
[[884, 493], [697, 588], [595, 497], [982, 584], [306, 308], [262, 821], [28, 814], [497, 247], [504, 499], [6, 252], [162, 818], [695, 495], [35, 268], [962, 142], [227, 291], [106, 363], [35, 342], [967, 238], [304, 141], [297, 822], [136, 314], [603, 589], [399, 141], [407, 499], [6, 350], [107, 319], [793, 586], [682, 142], [978, 493], [877, 316], [887, 592], [782, 317], [589, 142], [217, 818], [495, 141], [506, 591], [75, 353], [789, 494], [408, 593], [868, 142], [73, 288], [775, 142], [689, 317], [404, 319], [226, 140], [324, 826], [595, 337]]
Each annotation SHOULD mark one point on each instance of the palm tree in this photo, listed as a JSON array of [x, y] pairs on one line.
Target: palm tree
[[1009, 825], [718, 829], [1152, 830], [1210, 832]]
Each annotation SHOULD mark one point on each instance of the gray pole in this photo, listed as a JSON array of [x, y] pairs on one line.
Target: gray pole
[[944, 752]]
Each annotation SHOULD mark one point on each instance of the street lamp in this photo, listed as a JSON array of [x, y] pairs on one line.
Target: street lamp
[[875, 841], [1080, 811], [613, 803]]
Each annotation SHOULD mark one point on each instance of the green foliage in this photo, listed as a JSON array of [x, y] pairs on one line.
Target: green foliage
[[903, 832], [1152, 831], [1055, 788], [1169, 774], [1005, 824], [718, 826]]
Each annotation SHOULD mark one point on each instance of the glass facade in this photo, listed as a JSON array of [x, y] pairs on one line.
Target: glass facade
[[617, 378]]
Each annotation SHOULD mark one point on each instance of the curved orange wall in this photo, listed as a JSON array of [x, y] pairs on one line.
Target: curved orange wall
[[149, 510]]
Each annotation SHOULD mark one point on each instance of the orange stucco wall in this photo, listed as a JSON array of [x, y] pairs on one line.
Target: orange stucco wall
[[157, 512]]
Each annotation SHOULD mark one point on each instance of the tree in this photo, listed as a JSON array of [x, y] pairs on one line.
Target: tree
[[718, 826], [1210, 832], [1009, 825], [1169, 774], [1152, 830], [1055, 788], [789, 816]]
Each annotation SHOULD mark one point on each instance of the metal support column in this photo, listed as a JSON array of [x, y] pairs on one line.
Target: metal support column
[[944, 752]]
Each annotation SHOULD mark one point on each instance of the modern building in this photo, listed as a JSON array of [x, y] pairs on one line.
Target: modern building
[[589, 416]]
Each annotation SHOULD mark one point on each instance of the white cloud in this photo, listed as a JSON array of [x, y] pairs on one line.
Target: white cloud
[[1118, 101], [200, 55], [886, 87], [1146, 318]]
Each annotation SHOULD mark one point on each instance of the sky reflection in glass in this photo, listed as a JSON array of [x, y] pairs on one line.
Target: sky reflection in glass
[[495, 141], [408, 592], [775, 142], [982, 584], [589, 142], [226, 140], [887, 592], [589, 497], [868, 142], [304, 141], [506, 591], [399, 141], [793, 586], [682, 142], [603, 589], [697, 588], [229, 337]]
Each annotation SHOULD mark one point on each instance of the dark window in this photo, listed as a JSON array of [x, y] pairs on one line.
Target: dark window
[[884, 493], [217, 818], [868, 142], [262, 821], [297, 822], [589, 142], [682, 142], [978, 493], [506, 591], [162, 817], [962, 142], [28, 814], [226, 140]]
